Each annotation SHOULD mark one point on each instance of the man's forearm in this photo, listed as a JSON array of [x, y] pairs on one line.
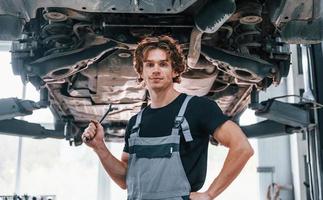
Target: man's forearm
[[115, 168], [234, 163]]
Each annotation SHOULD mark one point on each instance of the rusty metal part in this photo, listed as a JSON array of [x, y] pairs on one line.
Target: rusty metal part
[[55, 16], [195, 48]]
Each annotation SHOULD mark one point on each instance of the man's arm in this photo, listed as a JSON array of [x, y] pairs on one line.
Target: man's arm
[[115, 168], [230, 135]]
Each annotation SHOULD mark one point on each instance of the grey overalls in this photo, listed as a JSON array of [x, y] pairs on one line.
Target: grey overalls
[[155, 169]]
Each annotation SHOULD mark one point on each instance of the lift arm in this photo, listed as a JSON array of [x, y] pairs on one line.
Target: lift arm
[[23, 128], [13, 107], [282, 118]]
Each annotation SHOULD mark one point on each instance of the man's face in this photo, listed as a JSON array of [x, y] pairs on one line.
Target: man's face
[[157, 71]]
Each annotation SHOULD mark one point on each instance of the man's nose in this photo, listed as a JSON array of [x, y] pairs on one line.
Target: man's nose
[[156, 68]]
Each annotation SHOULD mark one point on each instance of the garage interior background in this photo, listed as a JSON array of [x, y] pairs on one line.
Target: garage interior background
[[53, 167]]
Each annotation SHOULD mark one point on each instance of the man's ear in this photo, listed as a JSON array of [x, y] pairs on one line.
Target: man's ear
[[175, 74], [139, 77]]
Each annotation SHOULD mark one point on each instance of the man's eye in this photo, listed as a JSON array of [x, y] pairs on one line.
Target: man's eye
[[164, 64], [149, 64]]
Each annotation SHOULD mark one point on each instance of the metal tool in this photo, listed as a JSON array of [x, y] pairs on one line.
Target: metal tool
[[101, 120]]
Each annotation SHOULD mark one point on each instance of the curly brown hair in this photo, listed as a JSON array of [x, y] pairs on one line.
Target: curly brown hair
[[166, 43]]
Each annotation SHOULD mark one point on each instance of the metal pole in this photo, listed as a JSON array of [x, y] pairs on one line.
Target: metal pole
[[306, 62], [316, 72], [18, 167]]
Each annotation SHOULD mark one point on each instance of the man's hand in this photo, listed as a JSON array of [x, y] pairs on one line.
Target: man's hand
[[199, 196], [93, 135]]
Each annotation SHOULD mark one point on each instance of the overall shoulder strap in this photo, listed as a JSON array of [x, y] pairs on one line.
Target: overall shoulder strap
[[184, 105], [136, 128], [181, 122]]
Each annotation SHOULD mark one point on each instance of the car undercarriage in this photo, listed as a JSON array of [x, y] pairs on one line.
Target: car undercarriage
[[79, 53]]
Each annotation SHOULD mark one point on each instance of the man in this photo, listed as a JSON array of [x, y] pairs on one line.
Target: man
[[165, 154]]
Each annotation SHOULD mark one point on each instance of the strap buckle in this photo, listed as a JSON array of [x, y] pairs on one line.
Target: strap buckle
[[134, 129], [178, 121]]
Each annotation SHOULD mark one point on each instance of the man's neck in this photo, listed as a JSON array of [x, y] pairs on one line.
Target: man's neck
[[163, 97]]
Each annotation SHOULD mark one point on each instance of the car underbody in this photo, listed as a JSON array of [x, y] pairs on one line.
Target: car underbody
[[79, 53]]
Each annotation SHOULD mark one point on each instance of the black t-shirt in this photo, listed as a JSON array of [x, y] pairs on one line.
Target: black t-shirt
[[203, 116]]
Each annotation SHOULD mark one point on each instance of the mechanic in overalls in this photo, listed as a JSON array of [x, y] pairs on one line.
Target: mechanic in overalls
[[166, 143]]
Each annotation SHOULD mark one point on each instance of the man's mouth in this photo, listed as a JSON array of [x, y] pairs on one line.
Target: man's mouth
[[156, 78]]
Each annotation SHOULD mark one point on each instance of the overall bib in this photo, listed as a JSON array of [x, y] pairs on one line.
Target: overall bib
[[155, 169]]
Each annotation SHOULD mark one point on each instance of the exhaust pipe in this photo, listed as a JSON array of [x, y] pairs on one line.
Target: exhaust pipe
[[210, 18]]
